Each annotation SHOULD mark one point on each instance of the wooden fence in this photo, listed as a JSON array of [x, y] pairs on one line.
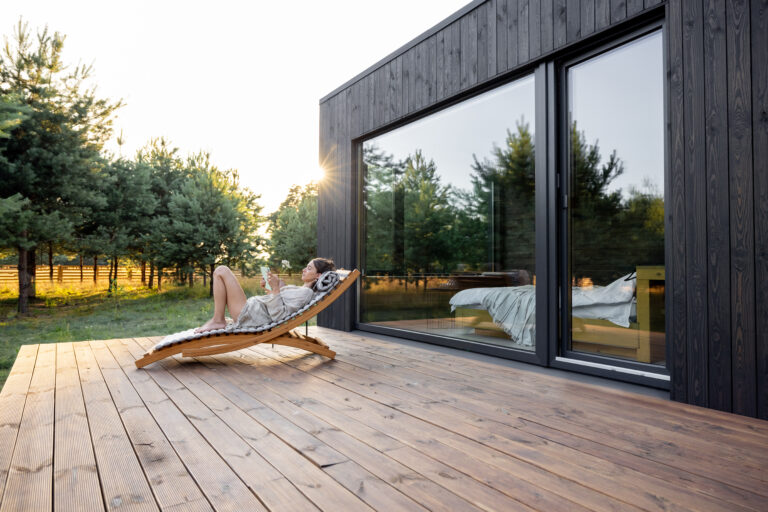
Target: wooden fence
[[71, 274]]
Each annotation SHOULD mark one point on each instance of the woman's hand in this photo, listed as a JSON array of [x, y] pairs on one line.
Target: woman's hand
[[275, 282]]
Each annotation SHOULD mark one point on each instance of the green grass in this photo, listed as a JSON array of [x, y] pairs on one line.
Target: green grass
[[82, 313]]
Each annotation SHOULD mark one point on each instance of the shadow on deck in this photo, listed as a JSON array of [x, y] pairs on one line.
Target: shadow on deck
[[386, 426]]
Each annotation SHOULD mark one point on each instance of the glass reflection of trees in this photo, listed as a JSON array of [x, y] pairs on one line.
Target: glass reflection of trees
[[415, 224], [605, 223]]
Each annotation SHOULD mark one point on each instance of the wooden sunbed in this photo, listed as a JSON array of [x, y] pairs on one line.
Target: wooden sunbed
[[280, 334]]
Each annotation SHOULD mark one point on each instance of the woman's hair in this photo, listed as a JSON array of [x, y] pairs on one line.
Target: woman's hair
[[323, 265]]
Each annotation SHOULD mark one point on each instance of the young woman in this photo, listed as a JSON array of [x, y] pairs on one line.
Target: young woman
[[280, 302]]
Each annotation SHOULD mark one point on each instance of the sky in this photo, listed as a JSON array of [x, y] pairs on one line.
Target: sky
[[454, 136], [240, 80]]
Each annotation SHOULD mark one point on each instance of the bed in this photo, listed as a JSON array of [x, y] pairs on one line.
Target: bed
[[513, 308]]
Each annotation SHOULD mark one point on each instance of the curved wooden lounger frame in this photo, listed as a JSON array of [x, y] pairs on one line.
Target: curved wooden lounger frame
[[278, 335]]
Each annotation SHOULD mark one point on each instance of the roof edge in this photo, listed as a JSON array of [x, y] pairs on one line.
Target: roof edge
[[410, 44]]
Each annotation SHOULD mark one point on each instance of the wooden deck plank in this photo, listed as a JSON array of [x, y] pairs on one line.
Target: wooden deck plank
[[216, 479], [408, 401], [520, 479], [171, 484], [273, 488], [123, 483], [427, 361], [386, 426], [335, 412], [603, 476], [321, 454], [252, 457], [398, 476], [742, 463], [371, 489], [75, 475], [30, 479], [528, 409], [499, 479], [12, 400], [689, 417]]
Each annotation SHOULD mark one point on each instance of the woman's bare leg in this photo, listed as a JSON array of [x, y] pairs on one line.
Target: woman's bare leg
[[227, 292]]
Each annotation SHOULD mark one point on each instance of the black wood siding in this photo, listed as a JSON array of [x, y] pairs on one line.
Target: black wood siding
[[717, 157]]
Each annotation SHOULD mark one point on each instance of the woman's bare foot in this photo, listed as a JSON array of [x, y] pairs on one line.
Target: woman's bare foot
[[211, 325]]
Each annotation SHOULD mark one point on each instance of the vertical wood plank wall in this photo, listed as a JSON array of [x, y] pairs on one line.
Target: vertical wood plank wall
[[717, 154]]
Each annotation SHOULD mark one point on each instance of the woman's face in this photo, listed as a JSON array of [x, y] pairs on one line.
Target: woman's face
[[309, 274]]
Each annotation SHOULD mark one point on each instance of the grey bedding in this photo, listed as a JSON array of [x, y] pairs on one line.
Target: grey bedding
[[513, 308]]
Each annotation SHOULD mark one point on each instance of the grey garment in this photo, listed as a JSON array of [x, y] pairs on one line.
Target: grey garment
[[263, 309]]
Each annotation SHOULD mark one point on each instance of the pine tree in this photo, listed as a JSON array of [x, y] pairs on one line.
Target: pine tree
[[52, 157], [293, 228], [210, 220]]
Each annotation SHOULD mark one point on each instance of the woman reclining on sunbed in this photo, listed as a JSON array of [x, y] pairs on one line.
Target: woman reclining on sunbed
[[280, 302]]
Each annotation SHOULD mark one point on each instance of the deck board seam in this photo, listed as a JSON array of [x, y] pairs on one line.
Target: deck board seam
[[358, 439], [18, 428], [342, 359], [543, 468], [521, 461], [125, 430], [260, 399], [267, 353], [163, 365], [163, 430], [159, 428]]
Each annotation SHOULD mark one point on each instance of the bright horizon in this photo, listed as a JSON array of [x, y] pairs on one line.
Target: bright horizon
[[240, 81]]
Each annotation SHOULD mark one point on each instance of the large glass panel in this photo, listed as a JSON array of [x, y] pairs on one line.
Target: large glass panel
[[616, 195], [448, 206]]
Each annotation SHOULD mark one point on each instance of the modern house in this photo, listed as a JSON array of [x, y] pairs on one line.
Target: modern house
[[577, 184]]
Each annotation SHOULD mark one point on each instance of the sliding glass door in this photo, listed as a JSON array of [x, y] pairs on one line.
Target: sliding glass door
[[614, 206]]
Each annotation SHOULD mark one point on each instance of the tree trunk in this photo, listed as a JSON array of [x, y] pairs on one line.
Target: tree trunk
[[205, 277], [50, 261], [159, 278], [151, 275], [23, 267], [211, 294], [95, 269], [32, 273], [81, 268], [144, 273], [116, 267], [191, 278]]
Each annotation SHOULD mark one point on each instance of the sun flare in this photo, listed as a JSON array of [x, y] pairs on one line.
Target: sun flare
[[318, 174]]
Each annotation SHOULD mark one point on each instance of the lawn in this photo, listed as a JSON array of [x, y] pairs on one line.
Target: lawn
[[78, 313]]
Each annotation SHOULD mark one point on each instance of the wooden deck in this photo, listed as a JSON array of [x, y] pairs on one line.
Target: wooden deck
[[387, 426]]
